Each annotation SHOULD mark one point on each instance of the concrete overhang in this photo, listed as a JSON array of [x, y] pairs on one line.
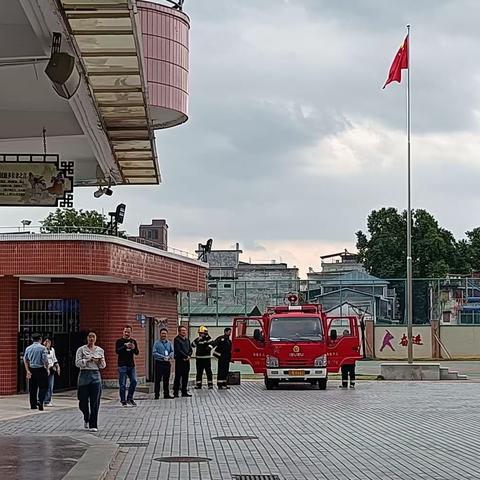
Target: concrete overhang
[[107, 127], [109, 47]]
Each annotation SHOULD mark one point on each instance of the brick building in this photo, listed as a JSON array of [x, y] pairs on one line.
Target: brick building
[[65, 285]]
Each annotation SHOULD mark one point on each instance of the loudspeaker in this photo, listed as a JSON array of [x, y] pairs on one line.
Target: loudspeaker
[[63, 74]]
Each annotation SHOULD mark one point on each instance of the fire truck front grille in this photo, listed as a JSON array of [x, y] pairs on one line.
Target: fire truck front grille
[[292, 363]]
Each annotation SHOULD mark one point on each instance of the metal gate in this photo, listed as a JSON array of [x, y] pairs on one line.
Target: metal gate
[[58, 319]]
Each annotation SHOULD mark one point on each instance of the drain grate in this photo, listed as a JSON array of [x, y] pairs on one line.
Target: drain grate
[[133, 444], [183, 459], [235, 437], [256, 477]]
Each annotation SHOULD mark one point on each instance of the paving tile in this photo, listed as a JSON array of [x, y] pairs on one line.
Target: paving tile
[[381, 430]]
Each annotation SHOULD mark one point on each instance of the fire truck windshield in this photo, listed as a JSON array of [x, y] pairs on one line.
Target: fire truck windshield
[[294, 329]]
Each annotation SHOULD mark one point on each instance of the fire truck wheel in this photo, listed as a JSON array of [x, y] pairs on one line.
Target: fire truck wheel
[[270, 384], [322, 384]]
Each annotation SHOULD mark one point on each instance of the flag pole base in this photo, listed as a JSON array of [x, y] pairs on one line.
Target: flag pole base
[[417, 372]]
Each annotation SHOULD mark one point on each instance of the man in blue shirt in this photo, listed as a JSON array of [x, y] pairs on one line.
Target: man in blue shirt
[[163, 355], [36, 364]]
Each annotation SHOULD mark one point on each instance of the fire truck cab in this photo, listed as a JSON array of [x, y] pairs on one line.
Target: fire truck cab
[[296, 343]]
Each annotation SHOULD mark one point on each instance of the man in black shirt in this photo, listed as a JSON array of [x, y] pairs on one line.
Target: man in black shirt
[[182, 351], [126, 347], [223, 351]]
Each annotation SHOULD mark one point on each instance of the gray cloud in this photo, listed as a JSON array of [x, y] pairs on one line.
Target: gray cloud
[[290, 136]]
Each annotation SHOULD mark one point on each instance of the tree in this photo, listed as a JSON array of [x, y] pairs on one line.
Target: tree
[[70, 220], [435, 253], [472, 246]]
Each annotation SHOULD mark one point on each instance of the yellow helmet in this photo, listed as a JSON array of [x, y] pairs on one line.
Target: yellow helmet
[[202, 329]]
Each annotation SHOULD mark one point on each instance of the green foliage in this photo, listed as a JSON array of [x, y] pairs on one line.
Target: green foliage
[[473, 248], [435, 252], [70, 220]]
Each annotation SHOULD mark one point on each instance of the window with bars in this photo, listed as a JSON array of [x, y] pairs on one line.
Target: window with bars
[[50, 315]]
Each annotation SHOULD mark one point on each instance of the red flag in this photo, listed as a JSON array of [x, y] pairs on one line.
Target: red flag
[[400, 62]]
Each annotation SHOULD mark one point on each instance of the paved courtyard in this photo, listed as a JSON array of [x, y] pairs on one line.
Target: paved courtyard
[[381, 430]]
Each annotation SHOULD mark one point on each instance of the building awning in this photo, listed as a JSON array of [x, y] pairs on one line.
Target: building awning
[[110, 50], [221, 310]]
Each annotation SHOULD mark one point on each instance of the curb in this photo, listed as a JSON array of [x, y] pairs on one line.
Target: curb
[[96, 462]]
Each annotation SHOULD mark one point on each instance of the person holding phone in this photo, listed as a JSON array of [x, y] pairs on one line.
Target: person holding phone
[[126, 347], [90, 359]]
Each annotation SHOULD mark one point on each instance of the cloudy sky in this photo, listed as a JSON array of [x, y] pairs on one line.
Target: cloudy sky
[[291, 140]]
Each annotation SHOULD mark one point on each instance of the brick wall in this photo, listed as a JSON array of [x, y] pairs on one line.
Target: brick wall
[[107, 307], [9, 321], [82, 257]]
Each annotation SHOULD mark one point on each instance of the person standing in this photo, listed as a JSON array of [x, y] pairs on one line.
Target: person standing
[[36, 365], [90, 359], [126, 347], [163, 355], [348, 370], [182, 351], [223, 352], [53, 368], [203, 347]]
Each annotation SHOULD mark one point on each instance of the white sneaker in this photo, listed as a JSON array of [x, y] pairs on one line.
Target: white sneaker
[[85, 425], [49, 404], [94, 429]]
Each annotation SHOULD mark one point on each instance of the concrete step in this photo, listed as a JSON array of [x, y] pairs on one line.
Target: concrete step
[[446, 374], [145, 388], [418, 371], [149, 387]]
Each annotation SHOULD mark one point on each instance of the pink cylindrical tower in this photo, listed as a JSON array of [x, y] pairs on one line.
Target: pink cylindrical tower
[[165, 51]]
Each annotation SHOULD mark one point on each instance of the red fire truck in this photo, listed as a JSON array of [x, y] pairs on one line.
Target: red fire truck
[[296, 343]]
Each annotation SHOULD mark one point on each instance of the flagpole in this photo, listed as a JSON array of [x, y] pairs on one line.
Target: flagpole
[[409, 218]]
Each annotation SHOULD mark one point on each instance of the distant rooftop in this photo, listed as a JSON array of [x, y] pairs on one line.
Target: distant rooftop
[[345, 256]]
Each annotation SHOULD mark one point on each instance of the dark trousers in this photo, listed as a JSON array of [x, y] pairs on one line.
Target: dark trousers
[[222, 372], [162, 372], [204, 364], [89, 393], [182, 369], [37, 386], [348, 370], [124, 373]]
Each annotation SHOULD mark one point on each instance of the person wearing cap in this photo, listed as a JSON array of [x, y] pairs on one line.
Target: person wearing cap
[[203, 347], [223, 352]]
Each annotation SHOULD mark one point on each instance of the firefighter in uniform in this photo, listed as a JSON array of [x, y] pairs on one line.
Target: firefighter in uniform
[[223, 352], [203, 347]]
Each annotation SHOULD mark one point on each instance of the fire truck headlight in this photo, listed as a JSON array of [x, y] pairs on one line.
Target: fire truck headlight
[[320, 361], [272, 362]]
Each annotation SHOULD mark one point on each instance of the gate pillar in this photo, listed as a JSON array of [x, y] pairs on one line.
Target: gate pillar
[[9, 307]]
